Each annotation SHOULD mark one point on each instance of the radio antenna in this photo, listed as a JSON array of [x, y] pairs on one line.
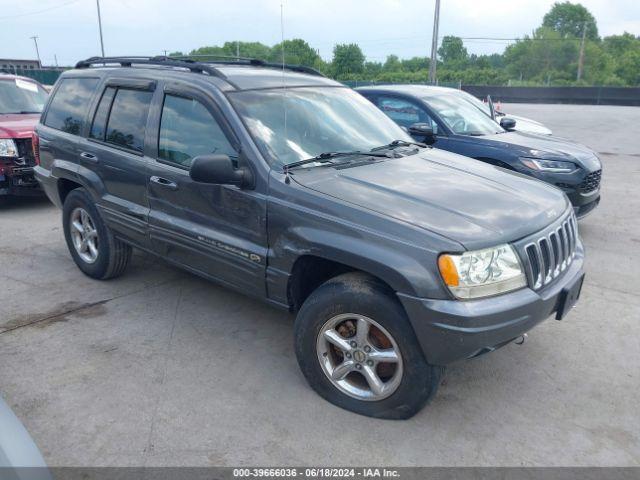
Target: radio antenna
[[284, 83]]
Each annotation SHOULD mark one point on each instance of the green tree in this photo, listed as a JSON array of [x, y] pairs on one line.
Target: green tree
[[392, 64], [372, 70], [542, 57], [231, 49], [348, 61], [598, 64], [628, 67], [617, 45], [296, 52], [568, 19], [415, 63], [453, 51]]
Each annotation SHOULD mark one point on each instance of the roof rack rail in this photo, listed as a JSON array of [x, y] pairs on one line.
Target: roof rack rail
[[196, 67], [256, 62]]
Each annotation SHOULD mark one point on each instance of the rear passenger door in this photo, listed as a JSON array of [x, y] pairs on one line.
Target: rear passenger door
[[64, 119], [115, 150], [215, 230]]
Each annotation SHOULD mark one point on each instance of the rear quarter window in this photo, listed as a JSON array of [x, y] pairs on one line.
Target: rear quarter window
[[70, 104]]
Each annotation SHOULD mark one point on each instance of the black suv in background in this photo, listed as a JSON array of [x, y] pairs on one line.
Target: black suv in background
[[444, 119], [397, 258]]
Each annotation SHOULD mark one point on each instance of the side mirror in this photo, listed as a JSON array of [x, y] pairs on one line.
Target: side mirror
[[507, 123], [219, 170], [422, 129]]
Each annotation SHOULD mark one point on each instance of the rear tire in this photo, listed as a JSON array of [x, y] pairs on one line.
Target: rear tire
[[389, 349], [91, 243]]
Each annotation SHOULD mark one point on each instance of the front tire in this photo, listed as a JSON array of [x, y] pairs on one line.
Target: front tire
[[356, 348], [90, 241]]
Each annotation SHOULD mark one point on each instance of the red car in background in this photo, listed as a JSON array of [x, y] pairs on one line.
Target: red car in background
[[21, 102]]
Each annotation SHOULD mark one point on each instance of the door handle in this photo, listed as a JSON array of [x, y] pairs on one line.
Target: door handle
[[89, 156], [164, 182]]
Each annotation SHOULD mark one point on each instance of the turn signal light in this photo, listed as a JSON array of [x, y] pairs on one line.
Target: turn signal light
[[448, 271]]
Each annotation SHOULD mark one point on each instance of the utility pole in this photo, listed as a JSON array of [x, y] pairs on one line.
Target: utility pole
[[581, 57], [100, 27], [55, 57], [434, 44], [35, 40], [237, 50]]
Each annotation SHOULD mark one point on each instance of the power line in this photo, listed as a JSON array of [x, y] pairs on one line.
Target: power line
[[521, 39], [39, 11]]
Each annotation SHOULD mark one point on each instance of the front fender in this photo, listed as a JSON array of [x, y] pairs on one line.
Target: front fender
[[406, 266]]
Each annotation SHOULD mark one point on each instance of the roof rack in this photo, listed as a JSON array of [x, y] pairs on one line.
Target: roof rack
[[196, 67], [255, 62]]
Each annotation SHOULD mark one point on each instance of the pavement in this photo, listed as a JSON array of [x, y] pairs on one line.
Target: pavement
[[162, 368]]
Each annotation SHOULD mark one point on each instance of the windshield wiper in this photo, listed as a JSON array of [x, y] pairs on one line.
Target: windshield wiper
[[399, 143], [326, 157]]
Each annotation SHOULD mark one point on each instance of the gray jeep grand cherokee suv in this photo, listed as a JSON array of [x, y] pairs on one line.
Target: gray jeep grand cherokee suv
[[397, 258]]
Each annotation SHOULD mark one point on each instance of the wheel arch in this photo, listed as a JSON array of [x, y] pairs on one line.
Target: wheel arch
[[71, 176], [309, 271]]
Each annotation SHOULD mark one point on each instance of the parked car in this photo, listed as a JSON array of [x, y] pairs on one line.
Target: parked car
[[448, 122], [19, 456], [522, 124], [21, 101], [397, 258]]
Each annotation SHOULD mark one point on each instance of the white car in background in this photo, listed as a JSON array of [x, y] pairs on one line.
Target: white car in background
[[522, 124]]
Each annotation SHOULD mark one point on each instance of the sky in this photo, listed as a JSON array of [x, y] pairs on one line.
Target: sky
[[68, 29]]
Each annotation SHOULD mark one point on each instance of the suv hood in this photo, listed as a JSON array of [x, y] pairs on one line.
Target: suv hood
[[14, 125], [526, 144], [470, 202]]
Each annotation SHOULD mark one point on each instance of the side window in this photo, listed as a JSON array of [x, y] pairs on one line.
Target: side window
[[403, 112], [99, 126], [187, 129], [128, 118], [70, 104]]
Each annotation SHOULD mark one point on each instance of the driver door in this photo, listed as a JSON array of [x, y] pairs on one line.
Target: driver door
[[214, 230]]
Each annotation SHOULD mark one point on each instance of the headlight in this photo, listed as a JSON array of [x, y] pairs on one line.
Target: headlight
[[482, 273], [8, 148], [556, 166]]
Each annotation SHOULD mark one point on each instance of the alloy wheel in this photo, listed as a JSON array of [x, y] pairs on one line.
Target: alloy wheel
[[84, 235], [359, 357]]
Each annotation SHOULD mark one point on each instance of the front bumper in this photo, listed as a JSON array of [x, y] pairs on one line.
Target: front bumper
[[452, 330], [584, 203], [18, 181]]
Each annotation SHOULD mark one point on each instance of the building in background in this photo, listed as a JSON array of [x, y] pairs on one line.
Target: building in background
[[12, 65]]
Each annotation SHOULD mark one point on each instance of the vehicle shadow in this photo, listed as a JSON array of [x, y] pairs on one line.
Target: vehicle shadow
[[23, 203]]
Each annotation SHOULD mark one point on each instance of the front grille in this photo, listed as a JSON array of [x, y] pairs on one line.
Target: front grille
[[552, 253], [591, 182], [25, 153]]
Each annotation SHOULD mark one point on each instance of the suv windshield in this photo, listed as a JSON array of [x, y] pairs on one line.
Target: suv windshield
[[295, 124], [462, 117], [21, 96], [474, 101]]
